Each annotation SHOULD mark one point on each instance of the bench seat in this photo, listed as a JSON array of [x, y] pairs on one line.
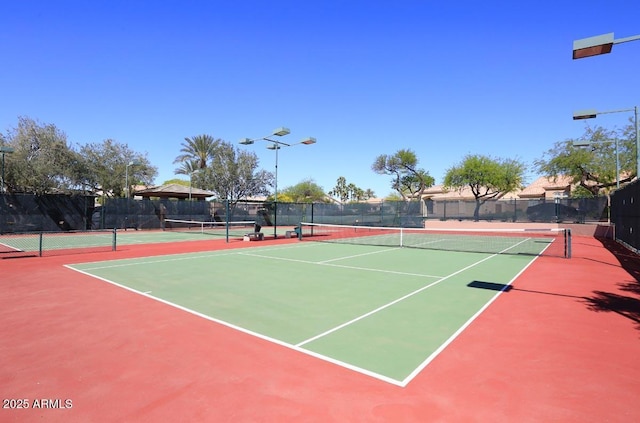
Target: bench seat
[[253, 236]]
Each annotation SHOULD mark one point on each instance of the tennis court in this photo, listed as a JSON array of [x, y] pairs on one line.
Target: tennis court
[[381, 310], [39, 243], [558, 344]]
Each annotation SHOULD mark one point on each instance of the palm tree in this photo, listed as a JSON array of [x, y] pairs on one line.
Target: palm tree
[[187, 167], [199, 149]]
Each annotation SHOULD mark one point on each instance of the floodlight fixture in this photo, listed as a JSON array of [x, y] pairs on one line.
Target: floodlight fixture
[[585, 114], [277, 145], [600, 44], [592, 113], [281, 132]]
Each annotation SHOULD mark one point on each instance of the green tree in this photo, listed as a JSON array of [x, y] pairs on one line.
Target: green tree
[[592, 168], [306, 191], [176, 181], [487, 177], [393, 197], [110, 165], [43, 161], [408, 179], [199, 150], [345, 192], [355, 193], [216, 165], [234, 175], [341, 190], [188, 167]]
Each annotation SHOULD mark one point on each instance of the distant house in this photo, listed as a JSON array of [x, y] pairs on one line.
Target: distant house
[[460, 203], [440, 193], [548, 188]]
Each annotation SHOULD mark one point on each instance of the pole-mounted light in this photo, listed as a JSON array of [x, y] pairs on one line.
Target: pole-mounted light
[[600, 44], [592, 113], [277, 145]]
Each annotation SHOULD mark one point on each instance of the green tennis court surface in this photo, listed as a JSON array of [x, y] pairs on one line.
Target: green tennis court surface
[[34, 242], [382, 311]]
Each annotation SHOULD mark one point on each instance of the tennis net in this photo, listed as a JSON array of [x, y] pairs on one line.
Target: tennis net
[[549, 242], [26, 244], [235, 229]]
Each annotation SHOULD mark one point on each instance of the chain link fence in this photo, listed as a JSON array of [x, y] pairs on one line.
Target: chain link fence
[[625, 206], [50, 213]]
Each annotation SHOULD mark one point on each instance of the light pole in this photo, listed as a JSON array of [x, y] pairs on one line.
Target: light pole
[[126, 174], [600, 44], [191, 180], [277, 145], [4, 150], [126, 182], [590, 114]]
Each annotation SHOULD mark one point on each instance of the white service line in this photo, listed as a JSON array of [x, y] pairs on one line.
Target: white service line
[[350, 322], [325, 263]]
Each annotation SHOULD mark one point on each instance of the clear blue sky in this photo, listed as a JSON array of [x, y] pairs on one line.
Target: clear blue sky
[[443, 78]]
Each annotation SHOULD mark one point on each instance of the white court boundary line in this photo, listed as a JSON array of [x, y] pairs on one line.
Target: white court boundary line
[[343, 266], [246, 331], [298, 347], [404, 297], [138, 261]]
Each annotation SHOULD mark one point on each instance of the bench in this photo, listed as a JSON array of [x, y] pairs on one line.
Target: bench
[[253, 236]]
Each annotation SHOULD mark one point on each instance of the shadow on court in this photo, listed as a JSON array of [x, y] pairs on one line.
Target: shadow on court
[[507, 288], [601, 301]]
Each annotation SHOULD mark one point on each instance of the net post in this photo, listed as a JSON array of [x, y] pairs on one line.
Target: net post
[[226, 212], [113, 240], [40, 243], [567, 243]]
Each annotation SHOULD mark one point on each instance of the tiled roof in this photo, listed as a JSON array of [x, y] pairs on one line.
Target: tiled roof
[[543, 184], [174, 190], [439, 192]]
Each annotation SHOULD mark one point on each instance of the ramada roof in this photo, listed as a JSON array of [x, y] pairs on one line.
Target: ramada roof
[[173, 191]]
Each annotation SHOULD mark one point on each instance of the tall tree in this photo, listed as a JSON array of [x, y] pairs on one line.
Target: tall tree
[[487, 177], [111, 165], [43, 161], [344, 191], [188, 167], [306, 191], [200, 148], [355, 193], [408, 179], [592, 168], [233, 174], [341, 190]]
